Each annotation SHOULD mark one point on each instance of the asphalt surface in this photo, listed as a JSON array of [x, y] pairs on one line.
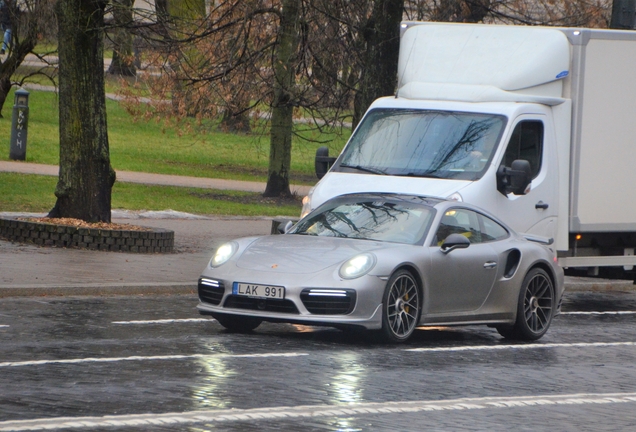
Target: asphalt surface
[[29, 270], [151, 363]]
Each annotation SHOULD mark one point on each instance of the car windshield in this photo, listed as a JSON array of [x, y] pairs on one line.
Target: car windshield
[[372, 219], [419, 143]]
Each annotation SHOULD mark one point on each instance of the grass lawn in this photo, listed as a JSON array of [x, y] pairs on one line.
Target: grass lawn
[[33, 193], [153, 146]]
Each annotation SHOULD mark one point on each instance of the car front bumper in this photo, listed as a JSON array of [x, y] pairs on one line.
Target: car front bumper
[[354, 303]]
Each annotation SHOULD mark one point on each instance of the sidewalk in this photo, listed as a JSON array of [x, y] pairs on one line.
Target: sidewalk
[[156, 179], [28, 270]]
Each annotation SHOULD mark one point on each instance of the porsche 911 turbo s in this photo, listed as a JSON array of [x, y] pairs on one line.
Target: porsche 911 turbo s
[[387, 263]]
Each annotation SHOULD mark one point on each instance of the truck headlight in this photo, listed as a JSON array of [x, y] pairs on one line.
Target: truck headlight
[[223, 254], [306, 206], [357, 266]]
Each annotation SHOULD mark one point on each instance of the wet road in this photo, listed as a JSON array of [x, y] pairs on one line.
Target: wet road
[[152, 363]]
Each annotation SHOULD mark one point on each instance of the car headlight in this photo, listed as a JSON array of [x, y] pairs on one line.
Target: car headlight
[[223, 254], [357, 266]]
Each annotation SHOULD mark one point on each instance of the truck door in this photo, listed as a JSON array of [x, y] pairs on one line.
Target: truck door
[[535, 212]]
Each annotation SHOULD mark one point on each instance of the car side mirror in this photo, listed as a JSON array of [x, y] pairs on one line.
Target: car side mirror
[[454, 241], [283, 229], [323, 162], [515, 179]]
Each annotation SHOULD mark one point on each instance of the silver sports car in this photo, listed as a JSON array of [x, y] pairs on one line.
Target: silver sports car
[[389, 263]]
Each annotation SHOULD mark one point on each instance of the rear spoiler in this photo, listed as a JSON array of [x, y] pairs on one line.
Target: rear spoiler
[[538, 239]]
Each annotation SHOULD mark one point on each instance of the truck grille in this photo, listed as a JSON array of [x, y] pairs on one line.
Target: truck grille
[[328, 301], [211, 291], [269, 305]]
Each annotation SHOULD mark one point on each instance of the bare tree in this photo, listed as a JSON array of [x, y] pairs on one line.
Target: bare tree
[[86, 177], [29, 19], [123, 57], [339, 56]]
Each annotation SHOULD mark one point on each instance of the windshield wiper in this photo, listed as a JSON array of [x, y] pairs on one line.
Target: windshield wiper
[[425, 175], [365, 169]]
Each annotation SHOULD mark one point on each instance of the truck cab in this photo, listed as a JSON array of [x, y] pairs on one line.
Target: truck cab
[[454, 150]]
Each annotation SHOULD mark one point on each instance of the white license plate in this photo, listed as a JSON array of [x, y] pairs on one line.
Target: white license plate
[[260, 291]]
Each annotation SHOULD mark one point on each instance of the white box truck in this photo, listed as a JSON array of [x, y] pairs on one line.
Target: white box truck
[[535, 124]]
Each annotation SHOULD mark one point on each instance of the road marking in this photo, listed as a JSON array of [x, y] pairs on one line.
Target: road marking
[[145, 358], [294, 354], [4, 325], [309, 411], [523, 346], [600, 313], [166, 321]]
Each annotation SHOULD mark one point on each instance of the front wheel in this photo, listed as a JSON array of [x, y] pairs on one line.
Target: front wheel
[[535, 308], [401, 307], [237, 323]]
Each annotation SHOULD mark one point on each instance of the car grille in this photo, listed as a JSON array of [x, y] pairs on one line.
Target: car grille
[[211, 291], [269, 305], [328, 301]]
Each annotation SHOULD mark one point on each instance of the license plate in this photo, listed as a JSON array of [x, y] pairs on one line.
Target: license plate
[[260, 291]]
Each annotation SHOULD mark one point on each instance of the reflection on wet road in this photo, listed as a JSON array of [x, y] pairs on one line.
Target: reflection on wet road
[[152, 363]]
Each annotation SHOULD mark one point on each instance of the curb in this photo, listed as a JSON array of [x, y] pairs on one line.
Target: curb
[[575, 284], [147, 240], [97, 289]]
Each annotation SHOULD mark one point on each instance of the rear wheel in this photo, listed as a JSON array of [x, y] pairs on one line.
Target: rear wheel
[[237, 323], [401, 307], [535, 308]]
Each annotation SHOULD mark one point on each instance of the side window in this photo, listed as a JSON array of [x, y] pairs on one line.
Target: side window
[[526, 143], [491, 230], [459, 221]]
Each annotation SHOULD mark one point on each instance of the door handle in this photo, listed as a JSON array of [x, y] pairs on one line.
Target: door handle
[[490, 264], [541, 205]]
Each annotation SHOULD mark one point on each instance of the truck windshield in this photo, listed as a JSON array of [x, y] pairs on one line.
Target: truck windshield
[[419, 143]]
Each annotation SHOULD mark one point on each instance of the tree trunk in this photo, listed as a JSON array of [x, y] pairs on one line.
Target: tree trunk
[[86, 176], [123, 62], [382, 38], [283, 103]]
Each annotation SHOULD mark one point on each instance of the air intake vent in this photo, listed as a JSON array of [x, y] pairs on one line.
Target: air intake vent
[[258, 304], [328, 301], [211, 291]]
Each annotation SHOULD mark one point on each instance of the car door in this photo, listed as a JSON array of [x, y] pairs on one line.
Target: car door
[[460, 280]]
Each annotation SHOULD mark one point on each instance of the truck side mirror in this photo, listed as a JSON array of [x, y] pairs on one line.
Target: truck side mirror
[[323, 162], [515, 179]]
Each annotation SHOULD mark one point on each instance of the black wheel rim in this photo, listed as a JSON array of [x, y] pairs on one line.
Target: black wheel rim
[[403, 306], [538, 303]]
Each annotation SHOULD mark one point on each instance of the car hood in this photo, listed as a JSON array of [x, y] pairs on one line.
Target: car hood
[[301, 254]]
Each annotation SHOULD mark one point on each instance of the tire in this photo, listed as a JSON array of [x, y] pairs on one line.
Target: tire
[[237, 323], [535, 308], [401, 307]]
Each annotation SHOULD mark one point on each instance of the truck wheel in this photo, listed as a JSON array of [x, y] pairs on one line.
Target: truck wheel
[[237, 323], [535, 308], [401, 307]]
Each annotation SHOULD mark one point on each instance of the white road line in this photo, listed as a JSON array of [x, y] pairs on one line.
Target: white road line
[[166, 321], [600, 313], [309, 411], [4, 325], [145, 358], [297, 354], [523, 346]]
